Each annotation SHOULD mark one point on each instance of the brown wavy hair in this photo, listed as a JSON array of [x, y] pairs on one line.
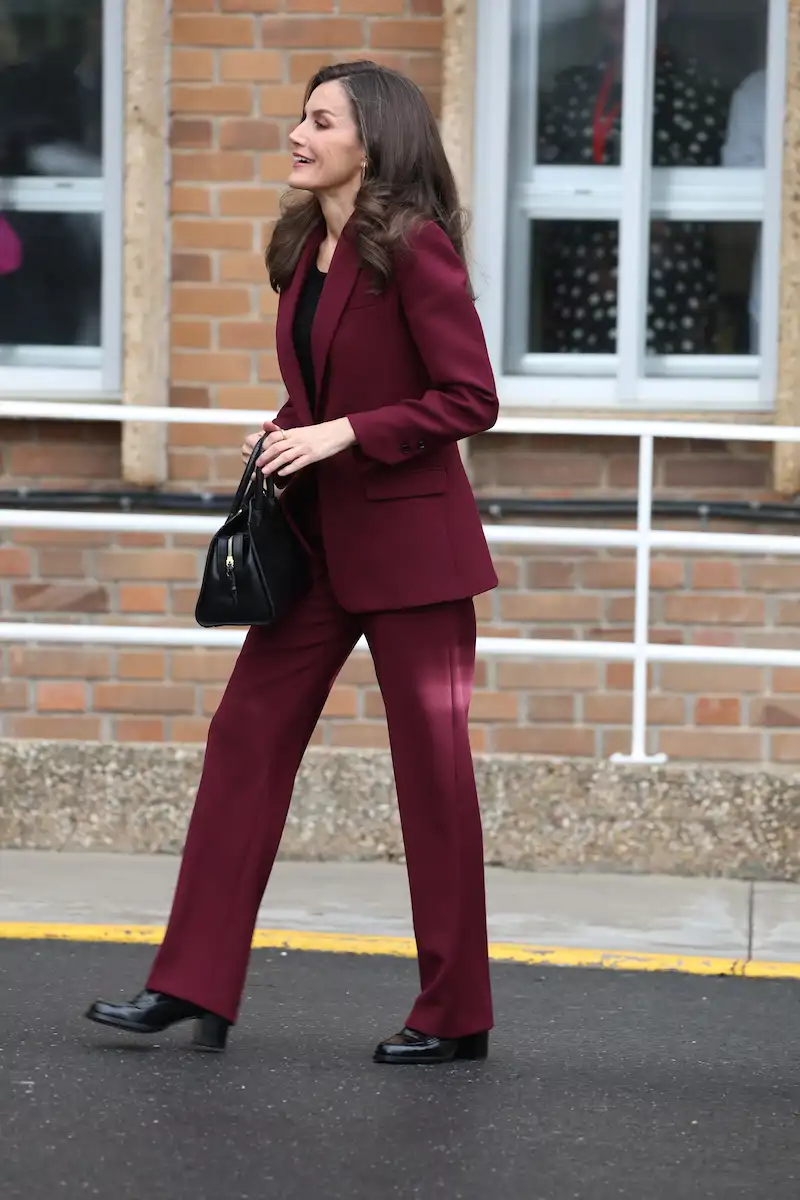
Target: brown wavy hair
[[407, 180]]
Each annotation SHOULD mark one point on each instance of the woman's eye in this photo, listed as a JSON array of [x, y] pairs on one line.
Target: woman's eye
[[320, 125]]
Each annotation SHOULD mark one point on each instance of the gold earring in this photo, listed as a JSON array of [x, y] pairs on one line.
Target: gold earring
[[363, 171]]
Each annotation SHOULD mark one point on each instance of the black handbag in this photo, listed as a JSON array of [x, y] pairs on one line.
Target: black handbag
[[256, 567]]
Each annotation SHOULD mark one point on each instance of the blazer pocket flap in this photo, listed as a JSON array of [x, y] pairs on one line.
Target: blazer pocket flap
[[406, 484]]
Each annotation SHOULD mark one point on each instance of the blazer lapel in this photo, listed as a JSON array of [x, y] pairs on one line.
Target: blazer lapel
[[339, 285], [284, 337]]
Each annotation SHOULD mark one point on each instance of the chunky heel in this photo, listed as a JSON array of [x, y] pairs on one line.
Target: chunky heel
[[211, 1033], [474, 1046]]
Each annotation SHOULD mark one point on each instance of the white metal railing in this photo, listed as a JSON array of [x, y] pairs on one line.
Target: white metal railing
[[643, 540]]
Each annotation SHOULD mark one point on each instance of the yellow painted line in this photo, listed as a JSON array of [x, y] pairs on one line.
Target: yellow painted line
[[400, 947], [149, 935], [617, 960], [771, 970]]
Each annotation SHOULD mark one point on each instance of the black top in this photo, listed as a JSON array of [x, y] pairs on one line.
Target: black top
[[303, 324]]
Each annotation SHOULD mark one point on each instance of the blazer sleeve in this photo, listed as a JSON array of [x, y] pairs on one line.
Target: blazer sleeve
[[286, 417], [441, 316]]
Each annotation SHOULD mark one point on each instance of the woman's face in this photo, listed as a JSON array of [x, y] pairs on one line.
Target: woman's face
[[326, 145]]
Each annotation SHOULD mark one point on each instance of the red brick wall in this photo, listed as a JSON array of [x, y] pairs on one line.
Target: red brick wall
[[737, 713], [695, 712], [238, 71]]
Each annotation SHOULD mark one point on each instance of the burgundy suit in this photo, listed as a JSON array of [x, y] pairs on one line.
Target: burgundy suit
[[398, 554]]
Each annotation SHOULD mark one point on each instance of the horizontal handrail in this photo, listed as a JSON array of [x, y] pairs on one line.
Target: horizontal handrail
[[179, 635], [536, 426], [172, 636], [497, 535], [643, 540]]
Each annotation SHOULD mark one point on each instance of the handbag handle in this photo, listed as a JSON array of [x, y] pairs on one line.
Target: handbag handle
[[247, 482]]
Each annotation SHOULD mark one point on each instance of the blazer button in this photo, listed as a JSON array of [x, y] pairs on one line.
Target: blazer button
[[405, 448], [420, 445]]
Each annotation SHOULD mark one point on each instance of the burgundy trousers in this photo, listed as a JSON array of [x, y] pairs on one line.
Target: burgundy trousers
[[424, 660]]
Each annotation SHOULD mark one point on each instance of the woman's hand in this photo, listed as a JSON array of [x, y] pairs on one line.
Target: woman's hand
[[252, 440], [288, 451]]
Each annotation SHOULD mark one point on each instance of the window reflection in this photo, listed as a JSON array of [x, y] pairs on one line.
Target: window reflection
[[705, 50], [727, 39], [581, 104], [745, 147], [709, 111], [575, 271], [51, 104], [580, 82], [683, 297], [51, 88], [49, 279]]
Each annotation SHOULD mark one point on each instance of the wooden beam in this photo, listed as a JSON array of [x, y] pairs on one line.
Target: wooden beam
[[146, 302], [787, 458], [458, 103]]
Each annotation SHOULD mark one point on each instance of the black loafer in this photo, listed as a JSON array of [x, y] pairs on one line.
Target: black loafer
[[152, 1012], [410, 1046]]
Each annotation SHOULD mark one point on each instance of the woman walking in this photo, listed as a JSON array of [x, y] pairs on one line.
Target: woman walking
[[385, 366]]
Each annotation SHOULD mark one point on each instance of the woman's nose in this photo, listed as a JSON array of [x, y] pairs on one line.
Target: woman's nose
[[293, 136]]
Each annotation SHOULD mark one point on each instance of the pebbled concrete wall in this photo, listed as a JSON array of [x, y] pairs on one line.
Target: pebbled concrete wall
[[539, 814]]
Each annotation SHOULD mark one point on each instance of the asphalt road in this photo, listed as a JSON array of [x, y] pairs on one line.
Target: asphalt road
[[599, 1085]]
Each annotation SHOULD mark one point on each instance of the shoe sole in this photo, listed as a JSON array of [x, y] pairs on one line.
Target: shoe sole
[[126, 1026], [129, 1027], [418, 1060]]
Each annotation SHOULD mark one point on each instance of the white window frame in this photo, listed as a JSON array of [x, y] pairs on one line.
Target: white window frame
[[90, 372], [633, 194]]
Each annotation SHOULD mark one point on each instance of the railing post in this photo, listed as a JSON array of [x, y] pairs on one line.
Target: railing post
[[641, 634]]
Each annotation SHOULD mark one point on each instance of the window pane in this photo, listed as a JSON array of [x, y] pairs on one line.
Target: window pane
[[50, 88], [710, 83], [573, 297], [580, 82], [49, 281], [703, 274], [703, 290], [710, 111]]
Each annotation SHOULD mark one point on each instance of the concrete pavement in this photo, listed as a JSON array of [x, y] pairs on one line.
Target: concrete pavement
[[599, 1085], [653, 915]]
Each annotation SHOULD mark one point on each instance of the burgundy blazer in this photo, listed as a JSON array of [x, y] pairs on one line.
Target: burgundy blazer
[[409, 368]]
